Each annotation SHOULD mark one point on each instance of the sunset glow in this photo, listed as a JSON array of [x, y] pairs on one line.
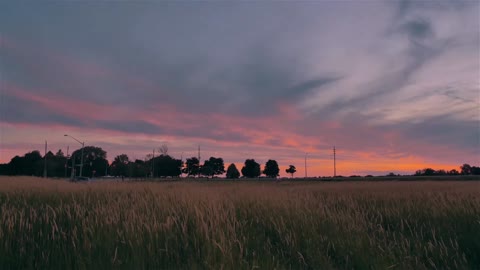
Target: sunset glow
[[395, 92]]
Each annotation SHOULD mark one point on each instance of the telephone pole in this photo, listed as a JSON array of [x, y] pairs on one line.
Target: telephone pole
[[305, 165], [198, 154], [66, 162], [45, 164], [153, 164], [334, 162]]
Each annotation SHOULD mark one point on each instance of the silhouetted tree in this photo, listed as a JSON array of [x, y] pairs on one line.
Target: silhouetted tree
[[466, 169], [251, 168], [56, 164], [428, 172], [165, 165], [163, 149], [453, 172], [119, 166], [192, 166], [33, 164], [206, 169], [271, 169], [4, 169], [16, 166], [475, 170], [59, 153], [94, 161], [213, 166], [232, 171], [291, 170], [139, 168]]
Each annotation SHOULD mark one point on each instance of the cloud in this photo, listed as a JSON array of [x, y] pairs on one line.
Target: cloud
[[418, 29], [274, 77]]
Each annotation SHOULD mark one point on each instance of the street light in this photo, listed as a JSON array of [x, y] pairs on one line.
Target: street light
[[83, 145]]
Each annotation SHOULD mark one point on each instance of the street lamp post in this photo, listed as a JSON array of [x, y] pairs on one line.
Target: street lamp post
[[83, 145]]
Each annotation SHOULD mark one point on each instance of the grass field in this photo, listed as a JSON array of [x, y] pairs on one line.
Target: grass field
[[54, 224]]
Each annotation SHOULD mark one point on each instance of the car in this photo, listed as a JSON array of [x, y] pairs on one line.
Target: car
[[82, 178]]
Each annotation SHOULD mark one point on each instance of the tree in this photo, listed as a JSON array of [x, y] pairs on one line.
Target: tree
[[291, 170], [251, 169], [4, 169], [453, 172], [94, 160], [206, 169], [32, 164], [466, 169], [271, 169], [56, 164], [16, 166], [59, 153], [232, 171], [119, 166], [192, 166], [165, 166], [139, 168], [475, 170], [428, 171], [213, 166], [163, 149]]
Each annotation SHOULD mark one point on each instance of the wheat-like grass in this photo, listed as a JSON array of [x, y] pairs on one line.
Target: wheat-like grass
[[239, 225]]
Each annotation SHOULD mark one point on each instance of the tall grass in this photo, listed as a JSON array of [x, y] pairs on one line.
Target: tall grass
[[382, 225]]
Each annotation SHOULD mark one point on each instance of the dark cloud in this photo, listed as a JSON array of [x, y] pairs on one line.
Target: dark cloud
[[128, 126], [19, 111], [441, 130], [404, 8], [418, 29]]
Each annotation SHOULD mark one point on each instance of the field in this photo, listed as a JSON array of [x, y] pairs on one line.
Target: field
[[54, 224]]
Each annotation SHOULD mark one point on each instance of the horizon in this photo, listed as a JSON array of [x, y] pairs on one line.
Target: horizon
[[282, 167], [395, 92]]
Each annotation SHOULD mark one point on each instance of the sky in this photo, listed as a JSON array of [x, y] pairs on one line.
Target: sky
[[393, 85]]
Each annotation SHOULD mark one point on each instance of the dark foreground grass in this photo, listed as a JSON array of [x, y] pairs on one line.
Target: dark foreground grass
[[48, 224]]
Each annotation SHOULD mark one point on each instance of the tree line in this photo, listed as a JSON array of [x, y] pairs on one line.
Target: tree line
[[95, 164], [465, 169]]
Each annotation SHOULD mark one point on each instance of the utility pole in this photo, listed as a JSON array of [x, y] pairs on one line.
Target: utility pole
[[334, 162], [146, 168], [305, 165], [83, 146], [66, 162], [181, 168], [45, 163], [153, 164], [73, 166], [199, 154], [81, 160]]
